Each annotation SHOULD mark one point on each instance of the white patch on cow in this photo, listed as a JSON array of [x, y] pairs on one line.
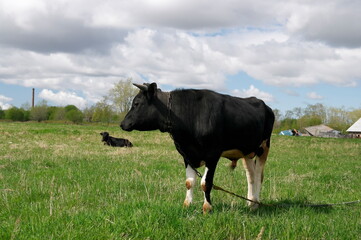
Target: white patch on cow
[[249, 166], [254, 170], [207, 207], [190, 181], [203, 181], [258, 177]]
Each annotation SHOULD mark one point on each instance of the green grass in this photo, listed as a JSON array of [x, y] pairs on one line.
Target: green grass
[[60, 182]]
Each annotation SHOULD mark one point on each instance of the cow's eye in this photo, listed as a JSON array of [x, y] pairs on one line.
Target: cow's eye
[[136, 104]]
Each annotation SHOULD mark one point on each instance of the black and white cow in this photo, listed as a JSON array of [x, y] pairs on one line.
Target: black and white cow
[[205, 126]]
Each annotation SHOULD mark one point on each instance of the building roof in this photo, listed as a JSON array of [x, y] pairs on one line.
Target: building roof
[[318, 129], [356, 127]]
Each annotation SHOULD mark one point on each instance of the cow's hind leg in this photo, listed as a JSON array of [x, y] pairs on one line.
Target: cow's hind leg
[[190, 181], [250, 167], [262, 161], [207, 184], [254, 171]]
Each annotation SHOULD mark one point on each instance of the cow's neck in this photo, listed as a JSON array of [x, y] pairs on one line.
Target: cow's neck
[[164, 107]]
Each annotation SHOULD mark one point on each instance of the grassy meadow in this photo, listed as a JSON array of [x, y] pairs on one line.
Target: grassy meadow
[[60, 182]]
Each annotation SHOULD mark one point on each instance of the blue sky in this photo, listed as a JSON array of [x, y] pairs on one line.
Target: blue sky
[[289, 98], [288, 53], [332, 96]]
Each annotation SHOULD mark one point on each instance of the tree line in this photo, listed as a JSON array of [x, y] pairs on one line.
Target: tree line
[[113, 107], [315, 114], [43, 112]]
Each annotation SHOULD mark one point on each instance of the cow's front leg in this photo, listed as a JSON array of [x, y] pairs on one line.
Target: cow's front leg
[[207, 184], [190, 181]]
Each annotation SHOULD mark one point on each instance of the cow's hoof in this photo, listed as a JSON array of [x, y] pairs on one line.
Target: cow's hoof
[[253, 206], [207, 208], [186, 203]]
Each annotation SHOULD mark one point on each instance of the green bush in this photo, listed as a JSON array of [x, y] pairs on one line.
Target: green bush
[[14, 114], [2, 114], [39, 113], [74, 115]]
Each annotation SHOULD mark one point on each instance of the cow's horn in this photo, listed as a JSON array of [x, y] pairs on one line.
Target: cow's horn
[[141, 87]]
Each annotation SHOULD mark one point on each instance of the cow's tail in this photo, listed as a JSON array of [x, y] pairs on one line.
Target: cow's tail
[[268, 128]]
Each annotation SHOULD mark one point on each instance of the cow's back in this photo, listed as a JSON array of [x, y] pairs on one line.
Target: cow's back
[[216, 120]]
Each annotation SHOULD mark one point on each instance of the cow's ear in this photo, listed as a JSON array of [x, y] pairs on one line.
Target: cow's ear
[[152, 90]]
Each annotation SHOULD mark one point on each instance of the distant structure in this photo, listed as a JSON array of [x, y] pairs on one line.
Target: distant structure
[[290, 132], [33, 99], [355, 130], [322, 131]]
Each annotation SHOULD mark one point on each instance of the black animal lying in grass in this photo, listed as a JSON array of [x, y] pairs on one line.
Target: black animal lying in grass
[[115, 142]]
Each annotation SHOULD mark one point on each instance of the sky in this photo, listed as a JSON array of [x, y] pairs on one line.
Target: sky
[[288, 53]]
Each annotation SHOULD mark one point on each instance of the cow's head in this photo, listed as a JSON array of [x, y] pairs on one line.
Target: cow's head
[[144, 114], [105, 136], [128, 143]]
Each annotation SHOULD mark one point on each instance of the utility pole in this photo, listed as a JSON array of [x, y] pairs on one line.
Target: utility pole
[[33, 99]]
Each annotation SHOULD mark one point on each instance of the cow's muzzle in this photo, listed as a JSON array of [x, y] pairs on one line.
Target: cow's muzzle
[[126, 126]]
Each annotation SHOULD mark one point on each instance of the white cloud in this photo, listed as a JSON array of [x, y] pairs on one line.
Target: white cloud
[[5, 99], [291, 92], [171, 14], [302, 63], [252, 91], [5, 106], [4, 102], [181, 59], [86, 46], [174, 58], [314, 96], [63, 98], [333, 22]]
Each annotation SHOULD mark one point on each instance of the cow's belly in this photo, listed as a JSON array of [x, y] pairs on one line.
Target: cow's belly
[[235, 154]]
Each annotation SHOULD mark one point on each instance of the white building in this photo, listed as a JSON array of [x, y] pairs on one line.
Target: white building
[[355, 129]]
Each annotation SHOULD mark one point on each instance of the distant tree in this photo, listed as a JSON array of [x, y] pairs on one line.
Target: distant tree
[[102, 112], [289, 114], [70, 113], [354, 115], [337, 118], [2, 113], [70, 107], [297, 112], [88, 113], [306, 121], [26, 114], [288, 123], [74, 115], [114, 106], [26, 106], [39, 112], [51, 112], [60, 114], [56, 113], [316, 111], [278, 117], [14, 114], [121, 95]]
